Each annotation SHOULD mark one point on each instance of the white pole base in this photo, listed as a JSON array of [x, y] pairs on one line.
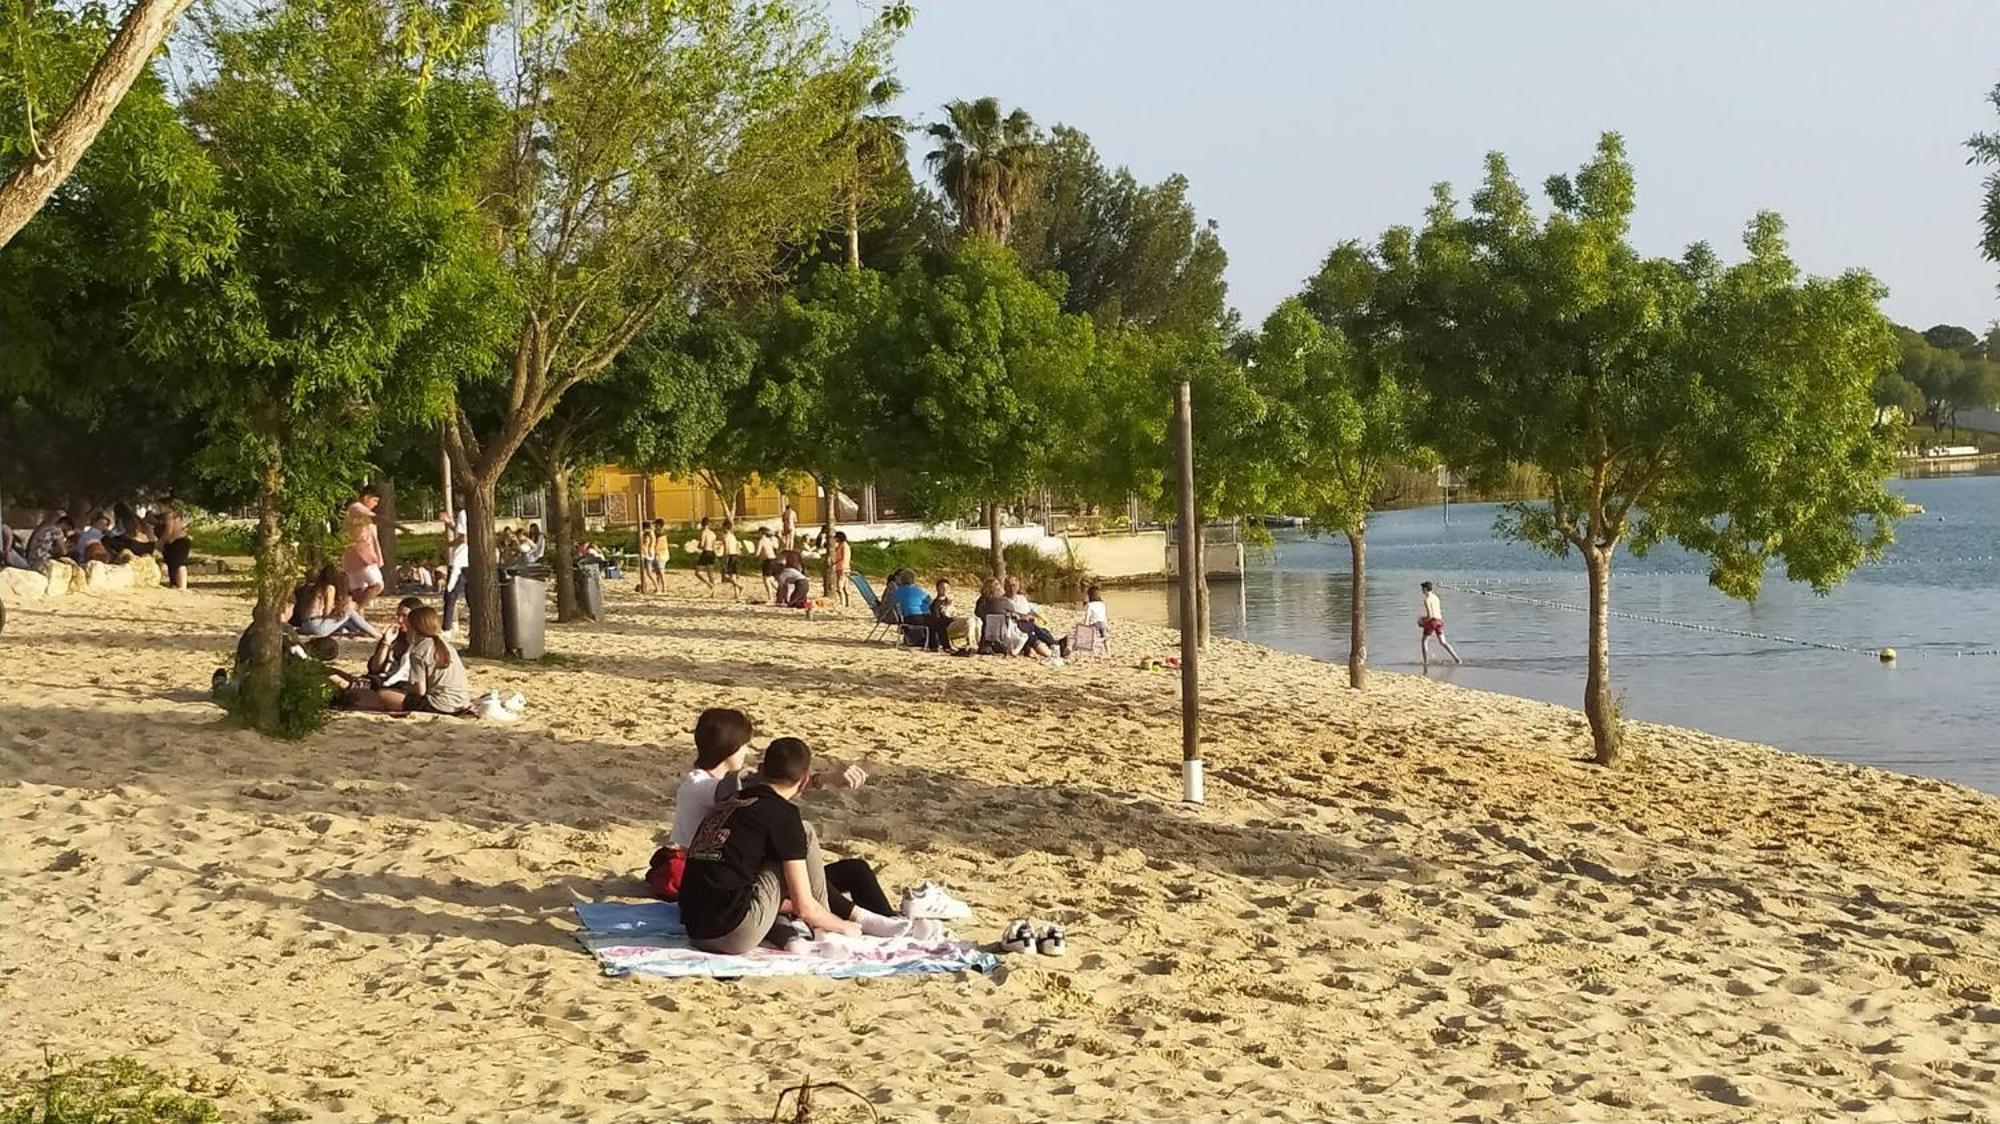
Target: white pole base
[[1191, 790]]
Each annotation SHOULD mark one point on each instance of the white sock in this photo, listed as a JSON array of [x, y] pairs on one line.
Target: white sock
[[876, 925]]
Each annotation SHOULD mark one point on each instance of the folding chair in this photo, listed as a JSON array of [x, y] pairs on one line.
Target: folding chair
[[888, 620]]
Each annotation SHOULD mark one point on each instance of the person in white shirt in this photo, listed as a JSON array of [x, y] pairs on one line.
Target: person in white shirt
[[1430, 624], [458, 556], [533, 546]]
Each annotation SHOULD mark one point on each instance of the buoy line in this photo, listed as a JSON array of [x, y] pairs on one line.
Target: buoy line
[[1717, 629]]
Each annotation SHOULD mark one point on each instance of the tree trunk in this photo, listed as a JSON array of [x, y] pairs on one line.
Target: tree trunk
[[385, 533], [995, 555], [853, 232], [1201, 620], [482, 578], [273, 578], [1598, 705], [1357, 623], [829, 518], [562, 541], [139, 37]]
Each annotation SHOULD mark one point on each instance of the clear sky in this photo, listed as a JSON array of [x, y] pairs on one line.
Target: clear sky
[[1301, 123]]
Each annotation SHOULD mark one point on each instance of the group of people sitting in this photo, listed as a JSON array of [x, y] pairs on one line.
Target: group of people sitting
[[113, 536], [746, 866], [1003, 621], [412, 668]]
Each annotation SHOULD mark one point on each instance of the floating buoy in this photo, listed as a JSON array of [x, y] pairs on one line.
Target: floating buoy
[[1886, 655]]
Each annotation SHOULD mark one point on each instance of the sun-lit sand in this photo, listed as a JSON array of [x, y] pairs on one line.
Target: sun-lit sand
[[1414, 903]]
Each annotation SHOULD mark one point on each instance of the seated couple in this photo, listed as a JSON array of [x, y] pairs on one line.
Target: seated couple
[[412, 670], [323, 605], [745, 865], [1013, 624], [932, 622]]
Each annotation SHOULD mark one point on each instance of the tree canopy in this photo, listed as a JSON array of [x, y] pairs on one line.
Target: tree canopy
[[1724, 407]]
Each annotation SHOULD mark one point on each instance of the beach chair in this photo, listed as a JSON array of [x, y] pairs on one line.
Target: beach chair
[[1084, 640], [888, 622]]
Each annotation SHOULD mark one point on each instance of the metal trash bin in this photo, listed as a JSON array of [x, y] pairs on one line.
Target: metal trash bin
[[590, 591], [524, 612]]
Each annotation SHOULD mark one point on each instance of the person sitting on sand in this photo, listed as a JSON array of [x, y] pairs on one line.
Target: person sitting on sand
[[322, 607], [91, 535], [436, 683], [389, 663], [754, 862], [721, 749], [533, 548]]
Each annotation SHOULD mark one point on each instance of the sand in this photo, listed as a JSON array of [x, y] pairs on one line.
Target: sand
[[1413, 903]]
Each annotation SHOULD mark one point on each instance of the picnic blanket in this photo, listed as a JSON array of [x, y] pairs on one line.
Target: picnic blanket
[[647, 937]]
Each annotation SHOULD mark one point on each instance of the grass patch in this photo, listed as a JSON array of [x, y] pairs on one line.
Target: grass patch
[[1922, 436], [115, 1091], [931, 559], [221, 540]]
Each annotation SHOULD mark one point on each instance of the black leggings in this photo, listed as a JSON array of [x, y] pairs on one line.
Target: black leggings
[[175, 555], [851, 882]]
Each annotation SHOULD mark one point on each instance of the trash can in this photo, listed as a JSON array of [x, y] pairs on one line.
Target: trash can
[[590, 591], [524, 611]]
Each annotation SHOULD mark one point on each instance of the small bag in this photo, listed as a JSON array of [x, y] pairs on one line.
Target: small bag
[[664, 874]]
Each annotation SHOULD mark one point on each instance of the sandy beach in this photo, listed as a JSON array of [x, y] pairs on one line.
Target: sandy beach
[[1413, 903]]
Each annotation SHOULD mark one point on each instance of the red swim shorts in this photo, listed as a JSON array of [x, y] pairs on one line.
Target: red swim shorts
[[1432, 626]]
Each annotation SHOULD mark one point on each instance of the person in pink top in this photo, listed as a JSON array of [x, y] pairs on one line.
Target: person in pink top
[[363, 560]]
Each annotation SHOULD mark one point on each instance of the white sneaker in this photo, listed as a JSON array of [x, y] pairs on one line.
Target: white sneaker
[[515, 701], [1052, 942], [1018, 937], [930, 900]]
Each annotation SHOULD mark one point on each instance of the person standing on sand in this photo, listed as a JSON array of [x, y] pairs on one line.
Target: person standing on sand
[[457, 556], [646, 540], [363, 560], [704, 559], [1430, 624], [788, 525], [732, 549], [840, 556], [767, 562]]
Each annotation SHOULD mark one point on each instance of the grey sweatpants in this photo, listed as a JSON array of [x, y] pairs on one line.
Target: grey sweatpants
[[766, 895]]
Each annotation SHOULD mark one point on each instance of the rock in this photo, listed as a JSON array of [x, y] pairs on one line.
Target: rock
[[145, 571], [64, 577], [267, 790], [22, 585], [101, 577]]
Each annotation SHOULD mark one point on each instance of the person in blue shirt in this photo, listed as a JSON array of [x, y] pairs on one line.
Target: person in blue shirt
[[914, 605]]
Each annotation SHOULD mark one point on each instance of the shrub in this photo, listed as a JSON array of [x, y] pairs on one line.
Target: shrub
[[116, 1091], [304, 698]]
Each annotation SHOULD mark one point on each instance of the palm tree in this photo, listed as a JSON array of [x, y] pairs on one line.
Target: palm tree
[[875, 139], [985, 163]]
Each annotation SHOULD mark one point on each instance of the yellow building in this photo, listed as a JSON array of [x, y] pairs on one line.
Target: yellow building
[[615, 497]]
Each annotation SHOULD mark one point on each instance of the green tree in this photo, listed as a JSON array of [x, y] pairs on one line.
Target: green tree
[[39, 63], [799, 409], [987, 164], [1340, 419], [1986, 150], [1133, 254], [659, 156], [972, 375], [350, 170], [1726, 409], [654, 410]]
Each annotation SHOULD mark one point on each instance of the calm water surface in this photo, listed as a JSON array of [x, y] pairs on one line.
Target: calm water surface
[[1935, 595]]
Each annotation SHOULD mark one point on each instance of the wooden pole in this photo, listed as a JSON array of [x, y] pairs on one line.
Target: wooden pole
[[1191, 778]]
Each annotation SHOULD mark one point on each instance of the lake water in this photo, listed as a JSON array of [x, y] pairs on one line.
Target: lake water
[[1934, 597]]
